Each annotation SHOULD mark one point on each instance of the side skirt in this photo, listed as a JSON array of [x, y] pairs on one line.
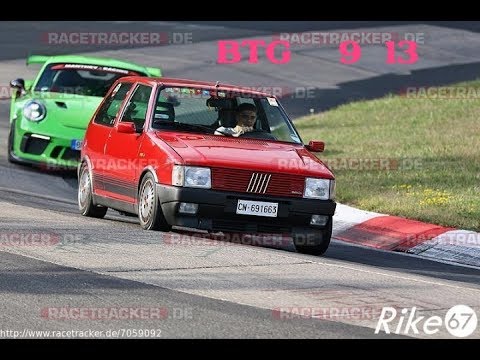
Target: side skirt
[[115, 204]]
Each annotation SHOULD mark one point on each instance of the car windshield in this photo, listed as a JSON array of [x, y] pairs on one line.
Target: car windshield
[[80, 79], [223, 114]]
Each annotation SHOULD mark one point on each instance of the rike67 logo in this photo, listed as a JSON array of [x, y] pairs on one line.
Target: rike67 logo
[[460, 321]]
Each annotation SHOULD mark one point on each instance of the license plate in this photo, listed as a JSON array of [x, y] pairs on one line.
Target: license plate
[[76, 144], [257, 208]]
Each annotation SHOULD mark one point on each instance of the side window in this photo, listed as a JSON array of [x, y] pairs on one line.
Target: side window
[[108, 112], [136, 108]]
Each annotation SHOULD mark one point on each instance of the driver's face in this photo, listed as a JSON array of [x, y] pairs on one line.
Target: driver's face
[[246, 118]]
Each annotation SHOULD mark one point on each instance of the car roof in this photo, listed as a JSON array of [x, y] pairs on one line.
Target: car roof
[[205, 85]]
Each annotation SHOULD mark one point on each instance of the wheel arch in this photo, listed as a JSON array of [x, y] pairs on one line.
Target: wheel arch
[[87, 161], [145, 171]]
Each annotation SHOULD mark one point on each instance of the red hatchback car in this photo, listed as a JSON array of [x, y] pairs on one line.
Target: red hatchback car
[[207, 156]]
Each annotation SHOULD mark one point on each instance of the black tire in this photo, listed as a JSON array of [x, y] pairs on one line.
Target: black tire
[[313, 242], [85, 195], [150, 212]]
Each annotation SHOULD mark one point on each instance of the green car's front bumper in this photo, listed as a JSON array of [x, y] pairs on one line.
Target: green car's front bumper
[[31, 144]]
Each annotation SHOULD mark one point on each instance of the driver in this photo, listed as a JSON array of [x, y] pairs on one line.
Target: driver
[[245, 116]]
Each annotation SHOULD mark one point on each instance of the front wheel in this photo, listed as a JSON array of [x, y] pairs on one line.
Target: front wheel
[[312, 242], [85, 196], [149, 210]]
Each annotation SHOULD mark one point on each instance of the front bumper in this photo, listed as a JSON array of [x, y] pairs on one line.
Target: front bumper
[[52, 152], [217, 211]]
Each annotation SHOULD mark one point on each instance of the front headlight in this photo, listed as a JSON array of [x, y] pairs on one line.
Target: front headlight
[[34, 110], [323, 189], [190, 176]]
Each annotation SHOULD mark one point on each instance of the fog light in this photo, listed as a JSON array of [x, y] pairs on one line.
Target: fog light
[[319, 220], [188, 208]]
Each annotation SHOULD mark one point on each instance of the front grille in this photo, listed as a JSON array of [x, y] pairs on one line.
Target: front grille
[[258, 183], [248, 181], [56, 152], [70, 154], [33, 145]]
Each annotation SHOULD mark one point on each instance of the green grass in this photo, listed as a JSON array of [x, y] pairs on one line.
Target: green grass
[[440, 136]]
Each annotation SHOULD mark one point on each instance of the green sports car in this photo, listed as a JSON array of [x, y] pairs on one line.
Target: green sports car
[[49, 115]]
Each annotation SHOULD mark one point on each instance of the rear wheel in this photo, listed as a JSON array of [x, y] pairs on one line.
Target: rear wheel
[[312, 242], [85, 196], [149, 210]]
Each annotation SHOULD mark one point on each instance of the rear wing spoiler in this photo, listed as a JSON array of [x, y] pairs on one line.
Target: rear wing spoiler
[[42, 59], [37, 59], [154, 72]]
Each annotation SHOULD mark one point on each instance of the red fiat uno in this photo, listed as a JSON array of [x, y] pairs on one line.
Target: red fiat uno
[[206, 156]]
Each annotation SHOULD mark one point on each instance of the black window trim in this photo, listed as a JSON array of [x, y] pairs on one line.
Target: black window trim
[[107, 99], [135, 86]]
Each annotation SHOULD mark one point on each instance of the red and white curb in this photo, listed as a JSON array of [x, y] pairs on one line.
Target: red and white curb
[[395, 233]]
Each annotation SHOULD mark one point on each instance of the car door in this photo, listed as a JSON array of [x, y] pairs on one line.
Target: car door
[[122, 149], [99, 131]]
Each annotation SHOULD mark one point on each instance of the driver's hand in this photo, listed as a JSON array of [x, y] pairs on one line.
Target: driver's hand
[[226, 131]]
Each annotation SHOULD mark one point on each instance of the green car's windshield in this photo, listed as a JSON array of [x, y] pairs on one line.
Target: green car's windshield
[[80, 79], [204, 111]]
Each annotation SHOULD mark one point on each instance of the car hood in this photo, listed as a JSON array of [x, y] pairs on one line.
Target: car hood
[[220, 151], [71, 111]]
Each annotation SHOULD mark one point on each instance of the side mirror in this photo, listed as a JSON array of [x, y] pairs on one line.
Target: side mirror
[[126, 127], [19, 85], [316, 146]]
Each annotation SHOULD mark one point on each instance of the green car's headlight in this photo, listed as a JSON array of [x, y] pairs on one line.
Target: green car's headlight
[[34, 110]]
